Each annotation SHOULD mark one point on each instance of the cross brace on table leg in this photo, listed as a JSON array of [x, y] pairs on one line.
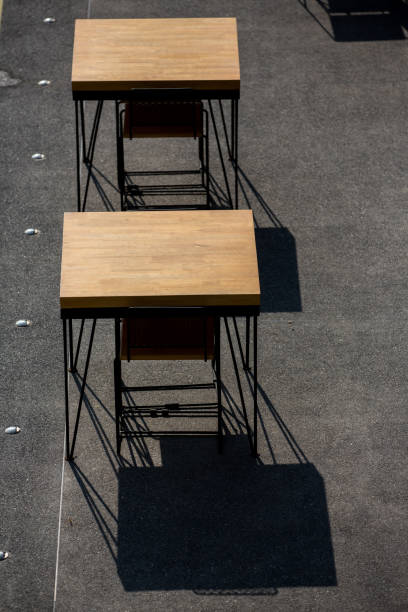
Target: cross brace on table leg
[[224, 125], [244, 359], [238, 379], [255, 370], [218, 380], [220, 153], [89, 154], [234, 148], [73, 362], [70, 446]]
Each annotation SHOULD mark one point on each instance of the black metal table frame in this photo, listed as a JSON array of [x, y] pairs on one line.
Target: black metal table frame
[[87, 151], [70, 362], [128, 189]]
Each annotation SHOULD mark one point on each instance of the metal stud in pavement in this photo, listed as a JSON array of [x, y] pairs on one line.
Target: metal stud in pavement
[[12, 430], [38, 156], [31, 231], [23, 323]]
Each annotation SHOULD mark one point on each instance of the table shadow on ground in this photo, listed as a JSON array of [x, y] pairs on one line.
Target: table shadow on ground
[[278, 270], [222, 526], [361, 20]]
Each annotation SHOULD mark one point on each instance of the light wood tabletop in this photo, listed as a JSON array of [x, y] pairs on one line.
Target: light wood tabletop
[[159, 258], [122, 54]]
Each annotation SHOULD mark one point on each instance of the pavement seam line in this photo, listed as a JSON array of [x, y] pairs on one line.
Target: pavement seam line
[[59, 526], [63, 456]]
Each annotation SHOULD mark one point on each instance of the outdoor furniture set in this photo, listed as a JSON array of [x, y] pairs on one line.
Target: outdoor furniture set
[[165, 277]]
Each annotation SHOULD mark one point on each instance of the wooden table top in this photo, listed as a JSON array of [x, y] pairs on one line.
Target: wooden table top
[[159, 258], [122, 54]]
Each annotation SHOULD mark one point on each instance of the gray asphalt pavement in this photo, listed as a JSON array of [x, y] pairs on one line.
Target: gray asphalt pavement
[[319, 522]]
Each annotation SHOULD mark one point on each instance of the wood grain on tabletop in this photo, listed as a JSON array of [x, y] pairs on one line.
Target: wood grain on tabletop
[[159, 258], [120, 54]]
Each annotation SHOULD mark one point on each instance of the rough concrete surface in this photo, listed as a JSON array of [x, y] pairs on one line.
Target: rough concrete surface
[[319, 521]]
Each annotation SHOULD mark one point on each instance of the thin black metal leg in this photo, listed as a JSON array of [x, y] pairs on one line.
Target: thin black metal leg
[[201, 157], [220, 153], [78, 345], [81, 395], [247, 342], [235, 149], [241, 352], [71, 347], [207, 161], [78, 158], [238, 379], [255, 341], [94, 132], [81, 106], [218, 379], [224, 125], [91, 150], [64, 331], [117, 375], [119, 154], [232, 132]]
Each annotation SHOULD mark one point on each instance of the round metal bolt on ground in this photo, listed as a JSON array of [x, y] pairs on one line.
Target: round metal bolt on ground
[[3, 555], [49, 20], [12, 430], [38, 156], [43, 83], [23, 323], [31, 231]]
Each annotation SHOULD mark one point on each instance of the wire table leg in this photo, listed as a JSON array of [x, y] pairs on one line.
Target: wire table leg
[[71, 347], [117, 375], [85, 156], [81, 330], [207, 162], [247, 342], [224, 125], [234, 139], [64, 331], [78, 157], [232, 133], [241, 395], [255, 347], [214, 124], [91, 150], [218, 378], [119, 153], [81, 395], [83, 130]]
